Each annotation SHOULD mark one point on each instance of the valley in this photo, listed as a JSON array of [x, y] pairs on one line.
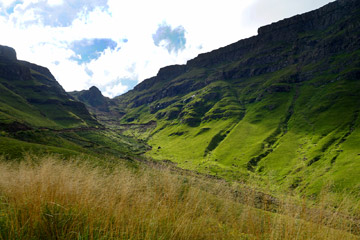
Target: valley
[[262, 135], [282, 105]]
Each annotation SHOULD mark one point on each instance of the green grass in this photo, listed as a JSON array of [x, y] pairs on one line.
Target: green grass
[[15, 149], [95, 143], [177, 148], [13, 107]]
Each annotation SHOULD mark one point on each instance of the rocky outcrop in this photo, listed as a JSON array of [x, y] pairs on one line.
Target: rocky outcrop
[[171, 71], [7, 53], [165, 73], [13, 71]]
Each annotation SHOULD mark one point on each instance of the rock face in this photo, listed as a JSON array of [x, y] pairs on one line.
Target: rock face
[[288, 31], [165, 73], [312, 21], [8, 53]]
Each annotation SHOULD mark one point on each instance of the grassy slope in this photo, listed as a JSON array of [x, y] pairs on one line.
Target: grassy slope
[[70, 143], [300, 138], [16, 108], [37, 115], [31, 97]]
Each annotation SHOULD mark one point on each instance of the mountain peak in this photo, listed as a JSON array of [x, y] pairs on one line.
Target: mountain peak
[[92, 98], [7, 52], [95, 90]]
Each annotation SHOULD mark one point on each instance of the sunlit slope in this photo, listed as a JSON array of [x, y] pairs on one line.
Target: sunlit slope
[[284, 104], [295, 137]]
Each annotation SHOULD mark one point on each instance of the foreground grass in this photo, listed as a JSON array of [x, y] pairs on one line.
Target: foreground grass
[[47, 198]]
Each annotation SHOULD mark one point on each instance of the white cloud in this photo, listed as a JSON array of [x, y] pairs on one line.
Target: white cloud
[[208, 24], [115, 89], [70, 75], [55, 2]]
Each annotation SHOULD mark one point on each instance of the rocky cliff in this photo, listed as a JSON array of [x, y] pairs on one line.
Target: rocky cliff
[[289, 31], [7, 53]]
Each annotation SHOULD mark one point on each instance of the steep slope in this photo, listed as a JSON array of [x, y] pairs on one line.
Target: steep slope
[[283, 104], [37, 115], [30, 95]]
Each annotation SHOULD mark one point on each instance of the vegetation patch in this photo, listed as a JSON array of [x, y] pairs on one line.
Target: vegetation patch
[[215, 141]]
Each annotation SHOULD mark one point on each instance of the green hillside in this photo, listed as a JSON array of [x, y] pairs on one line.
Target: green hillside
[[38, 116], [283, 105], [30, 95]]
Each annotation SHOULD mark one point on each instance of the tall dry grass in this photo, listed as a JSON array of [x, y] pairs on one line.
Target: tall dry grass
[[47, 198]]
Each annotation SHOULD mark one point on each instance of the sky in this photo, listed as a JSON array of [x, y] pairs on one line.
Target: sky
[[115, 44]]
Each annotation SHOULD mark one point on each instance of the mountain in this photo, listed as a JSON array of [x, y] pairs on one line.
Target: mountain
[[283, 105], [37, 115], [93, 98], [31, 97], [102, 108]]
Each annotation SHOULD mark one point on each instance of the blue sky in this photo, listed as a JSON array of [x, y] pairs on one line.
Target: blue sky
[[115, 44], [91, 49], [173, 40]]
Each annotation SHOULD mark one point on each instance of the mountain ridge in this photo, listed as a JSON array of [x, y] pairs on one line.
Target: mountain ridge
[[257, 104], [284, 29], [237, 51]]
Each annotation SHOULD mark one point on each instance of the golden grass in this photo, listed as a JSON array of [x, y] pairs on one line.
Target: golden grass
[[47, 198]]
